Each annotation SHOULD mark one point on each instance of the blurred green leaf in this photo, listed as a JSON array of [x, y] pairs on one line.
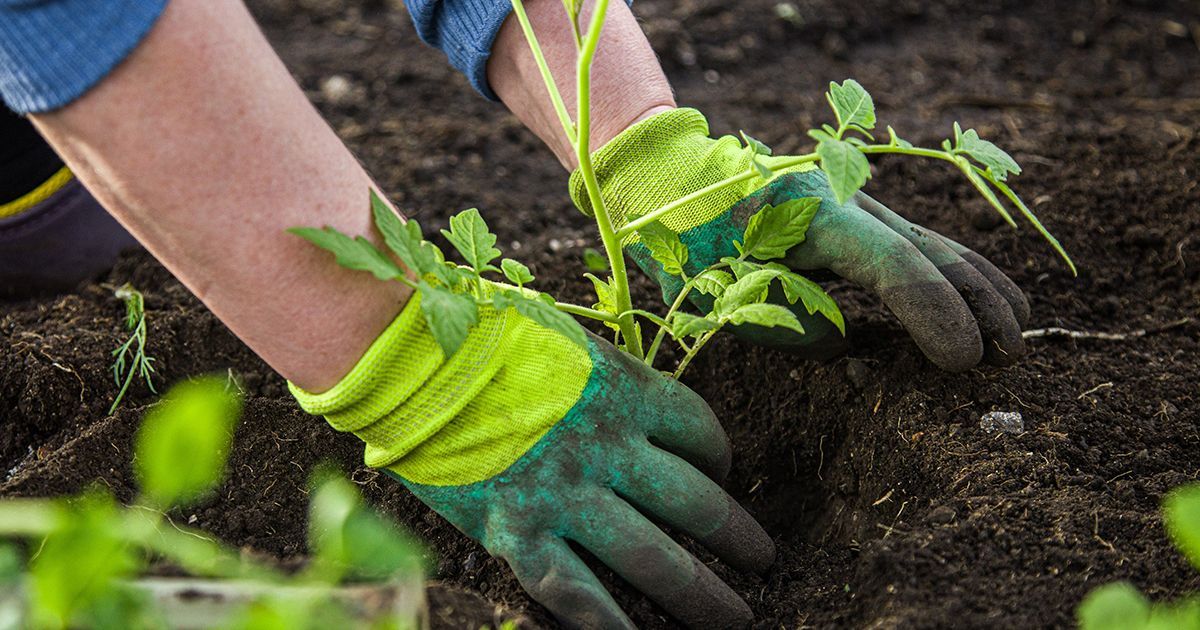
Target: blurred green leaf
[[183, 442], [1117, 606], [351, 540], [594, 260], [1181, 514]]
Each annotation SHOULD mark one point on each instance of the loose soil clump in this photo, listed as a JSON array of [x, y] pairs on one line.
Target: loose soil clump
[[889, 503]]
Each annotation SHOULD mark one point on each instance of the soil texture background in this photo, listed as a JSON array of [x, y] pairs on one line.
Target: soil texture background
[[889, 504]]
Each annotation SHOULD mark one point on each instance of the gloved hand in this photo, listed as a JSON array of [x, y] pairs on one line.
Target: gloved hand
[[957, 306], [525, 440]]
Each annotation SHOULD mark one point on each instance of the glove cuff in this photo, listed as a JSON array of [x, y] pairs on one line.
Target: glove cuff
[[454, 421]]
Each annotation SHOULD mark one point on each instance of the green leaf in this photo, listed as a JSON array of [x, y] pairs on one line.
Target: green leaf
[[750, 289], [665, 247], [542, 312], [846, 167], [741, 267], [79, 562], [405, 239], [351, 539], [814, 298], [776, 229], [769, 315], [852, 104], [1118, 606], [712, 282], [684, 325], [594, 260], [352, 253], [183, 442], [516, 273], [756, 147], [470, 235], [450, 316], [606, 300], [1181, 513], [992, 157]]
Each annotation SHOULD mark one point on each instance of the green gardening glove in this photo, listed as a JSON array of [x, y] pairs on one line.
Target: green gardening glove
[[525, 440], [958, 307]]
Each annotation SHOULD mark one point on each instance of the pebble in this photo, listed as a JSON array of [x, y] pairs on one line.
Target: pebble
[[1003, 421]]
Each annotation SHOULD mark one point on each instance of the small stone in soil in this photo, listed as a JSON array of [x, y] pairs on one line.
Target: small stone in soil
[[1003, 421]]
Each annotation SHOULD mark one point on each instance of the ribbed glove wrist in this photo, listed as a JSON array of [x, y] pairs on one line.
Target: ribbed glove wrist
[[443, 421]]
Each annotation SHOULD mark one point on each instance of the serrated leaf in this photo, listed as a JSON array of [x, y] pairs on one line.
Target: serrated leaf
[[470, 235], [352, 253], [769, 315], [685, 325], [1181, 513], [516, 272], [994, 159], [756, 147], [594, 260], [750, 289], [1118, 606], [774, 230], [712, 282], [405, 239], [740, 267], [605, 298], [814, 298], [450, 316], [852, 104], [542, 312], [348, 537], [846, 167], [665, 247], [183, 442]]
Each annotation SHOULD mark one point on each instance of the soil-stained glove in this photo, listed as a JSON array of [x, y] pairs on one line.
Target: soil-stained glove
[[958, 307], [525, 440]]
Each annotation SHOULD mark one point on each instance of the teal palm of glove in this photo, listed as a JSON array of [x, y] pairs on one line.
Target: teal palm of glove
[[525, 440], [957, 306]]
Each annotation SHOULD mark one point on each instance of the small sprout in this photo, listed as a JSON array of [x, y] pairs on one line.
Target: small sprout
[[131, 358]]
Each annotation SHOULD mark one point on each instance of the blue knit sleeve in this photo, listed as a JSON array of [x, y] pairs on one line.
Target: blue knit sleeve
[[465, 31], [53, 51]]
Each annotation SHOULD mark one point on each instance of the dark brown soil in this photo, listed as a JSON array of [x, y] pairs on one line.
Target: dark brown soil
[[889, 504]]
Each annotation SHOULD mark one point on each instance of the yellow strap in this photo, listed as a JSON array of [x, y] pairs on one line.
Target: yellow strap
[[37, 195]]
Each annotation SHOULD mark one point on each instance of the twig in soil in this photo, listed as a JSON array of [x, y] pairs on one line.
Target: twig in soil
[[1055, 331], [1094, 390]]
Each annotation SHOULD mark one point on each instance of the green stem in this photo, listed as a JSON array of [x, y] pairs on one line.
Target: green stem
[[559, 107], [608, 235], [687, 359], [658, 338], [583, 311], [655, 215]]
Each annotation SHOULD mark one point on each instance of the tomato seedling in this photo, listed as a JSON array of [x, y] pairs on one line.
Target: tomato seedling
[[452, 293]]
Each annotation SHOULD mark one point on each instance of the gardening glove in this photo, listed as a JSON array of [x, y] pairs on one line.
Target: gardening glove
[[525, 440], [957, 306]]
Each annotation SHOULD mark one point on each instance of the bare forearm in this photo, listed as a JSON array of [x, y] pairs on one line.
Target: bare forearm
[[203, 146], [627, 82]]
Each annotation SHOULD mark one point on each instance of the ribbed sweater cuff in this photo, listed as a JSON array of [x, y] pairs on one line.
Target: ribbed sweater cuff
[[52, 52]]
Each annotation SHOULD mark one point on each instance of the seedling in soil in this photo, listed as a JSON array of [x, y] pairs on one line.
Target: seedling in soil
[[1120, 606], [89, 548], [452, 293], [131, 358]]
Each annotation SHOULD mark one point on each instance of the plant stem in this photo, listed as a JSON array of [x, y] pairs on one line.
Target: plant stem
[[608, 235], [655, 215], [662, 331], [559, 107], [583, 311], [687, 359]]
